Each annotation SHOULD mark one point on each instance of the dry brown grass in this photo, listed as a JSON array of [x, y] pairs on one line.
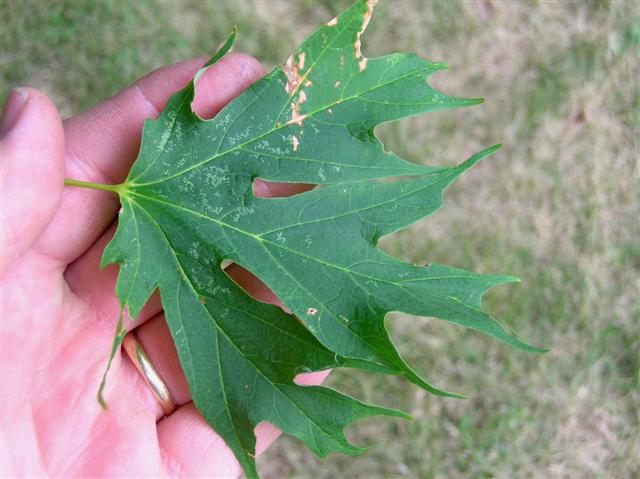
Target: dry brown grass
[[559, 207]]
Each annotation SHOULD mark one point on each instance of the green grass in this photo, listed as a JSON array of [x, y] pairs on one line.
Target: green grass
[[558, 206]]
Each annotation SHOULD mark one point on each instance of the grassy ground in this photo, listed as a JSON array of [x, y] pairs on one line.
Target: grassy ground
[[559, 206]]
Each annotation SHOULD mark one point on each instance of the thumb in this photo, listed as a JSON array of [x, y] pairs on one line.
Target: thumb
[[31, 170]]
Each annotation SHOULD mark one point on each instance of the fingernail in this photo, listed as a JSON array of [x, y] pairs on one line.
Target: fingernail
[[12, 108]]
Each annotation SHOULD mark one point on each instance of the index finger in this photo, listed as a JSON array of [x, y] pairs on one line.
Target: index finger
[[102, 143]]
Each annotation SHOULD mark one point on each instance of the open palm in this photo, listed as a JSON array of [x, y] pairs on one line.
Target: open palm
[[59, 310]]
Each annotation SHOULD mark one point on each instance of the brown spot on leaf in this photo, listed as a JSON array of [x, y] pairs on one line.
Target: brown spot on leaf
[[312, 311], [296, 117], [362, 63], [295, 78], [290, 69]]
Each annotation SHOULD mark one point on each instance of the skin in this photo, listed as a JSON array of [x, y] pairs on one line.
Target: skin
[[59, 310]]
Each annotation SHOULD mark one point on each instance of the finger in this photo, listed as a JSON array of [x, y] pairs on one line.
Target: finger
[[155, 338], [103, 143], [31, 170], [97, 287], [192, 448]]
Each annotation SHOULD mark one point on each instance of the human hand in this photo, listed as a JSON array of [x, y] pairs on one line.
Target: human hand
[[59, 310]]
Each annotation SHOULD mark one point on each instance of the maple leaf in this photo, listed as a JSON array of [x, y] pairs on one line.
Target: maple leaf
[[188, 207]]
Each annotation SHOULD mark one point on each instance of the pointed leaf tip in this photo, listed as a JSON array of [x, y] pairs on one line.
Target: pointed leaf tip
[[478, 157], [222, 50], [419, 381]]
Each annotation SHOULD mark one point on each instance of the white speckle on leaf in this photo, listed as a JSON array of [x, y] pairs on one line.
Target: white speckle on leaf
[[295, 142], [242, 211], [186, 185], [224, 121], [164, 138], [333, 22]]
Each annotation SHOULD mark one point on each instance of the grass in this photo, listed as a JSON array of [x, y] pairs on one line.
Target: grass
[[558, 206]]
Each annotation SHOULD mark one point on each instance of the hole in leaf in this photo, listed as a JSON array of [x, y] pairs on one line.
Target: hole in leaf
[[306, 377], [250, 283], [272, 189]]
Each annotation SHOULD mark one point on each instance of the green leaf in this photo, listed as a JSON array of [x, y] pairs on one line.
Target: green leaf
[[188, 206]]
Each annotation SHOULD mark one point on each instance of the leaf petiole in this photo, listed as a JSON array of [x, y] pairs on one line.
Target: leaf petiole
[[119, 189]]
